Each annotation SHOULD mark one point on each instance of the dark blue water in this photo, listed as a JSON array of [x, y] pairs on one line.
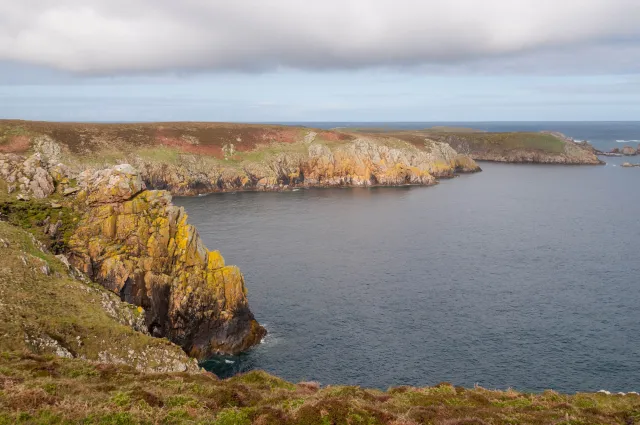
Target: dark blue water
[[523, 276], [602, 134]]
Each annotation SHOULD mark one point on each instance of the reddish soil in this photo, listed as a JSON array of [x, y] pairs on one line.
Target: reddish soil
[[198, 138], [16, 144]]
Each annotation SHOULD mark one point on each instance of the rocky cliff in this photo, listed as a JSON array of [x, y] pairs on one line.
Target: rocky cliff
[[135, 243], [195, 158], [514, 147], [48, 308]]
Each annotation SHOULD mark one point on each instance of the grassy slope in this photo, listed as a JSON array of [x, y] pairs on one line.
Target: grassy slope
[[198, 138], [165, 141], [41, 389], [221, 143], [47, 390], [479, 142], [39, 301]]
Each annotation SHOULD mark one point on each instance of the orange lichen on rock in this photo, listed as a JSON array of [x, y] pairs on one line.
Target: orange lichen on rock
[[136, 243]]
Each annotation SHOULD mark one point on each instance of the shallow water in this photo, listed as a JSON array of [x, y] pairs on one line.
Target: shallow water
[[521, 276]]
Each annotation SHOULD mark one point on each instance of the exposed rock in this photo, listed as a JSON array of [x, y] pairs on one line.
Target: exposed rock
[[70, 190], [628, 164], [43, 311], [362, 162], [629, 151], [49, 150], [116, 184], [539, 148], [196, 158], [28, 175], [45, 344], [138, 245], [33, 176]]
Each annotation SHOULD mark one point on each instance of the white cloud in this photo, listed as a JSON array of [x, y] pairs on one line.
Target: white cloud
[[123, 36]]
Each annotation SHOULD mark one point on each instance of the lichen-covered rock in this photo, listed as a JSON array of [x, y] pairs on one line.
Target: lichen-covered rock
[[115, 184], [137, 244], [48, 307], [539, 148], [33, 176], [28, 176], [365, 161]]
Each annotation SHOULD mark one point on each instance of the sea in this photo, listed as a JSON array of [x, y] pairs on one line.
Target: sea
[[521, 276]]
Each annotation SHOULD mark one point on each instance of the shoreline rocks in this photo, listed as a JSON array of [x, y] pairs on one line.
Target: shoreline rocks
[[360, 163]]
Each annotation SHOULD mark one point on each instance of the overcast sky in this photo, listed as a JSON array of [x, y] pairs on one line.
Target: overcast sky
[[335, 60]]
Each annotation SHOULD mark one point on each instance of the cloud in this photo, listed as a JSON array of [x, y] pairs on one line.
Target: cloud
[[141, 36]]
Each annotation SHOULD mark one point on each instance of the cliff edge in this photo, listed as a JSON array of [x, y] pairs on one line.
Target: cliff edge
[[137, 244], [511, 147], [197, 158]]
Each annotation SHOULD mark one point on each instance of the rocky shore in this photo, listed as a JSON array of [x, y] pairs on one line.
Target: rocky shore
[[515, 147], [198, 158], [625, 151]]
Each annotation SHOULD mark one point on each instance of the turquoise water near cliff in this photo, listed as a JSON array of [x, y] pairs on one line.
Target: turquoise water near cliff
[[523, 276]]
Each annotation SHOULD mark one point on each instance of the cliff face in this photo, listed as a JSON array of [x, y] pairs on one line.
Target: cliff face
[[45, 308], [362, 162], [195, 158], [135, 243], [541, 148]]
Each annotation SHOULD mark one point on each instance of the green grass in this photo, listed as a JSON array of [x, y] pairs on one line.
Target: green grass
[[31, 215], [535, 141], [38, 306], [159, 154], [264, 152], [48, 390], [9, 131]]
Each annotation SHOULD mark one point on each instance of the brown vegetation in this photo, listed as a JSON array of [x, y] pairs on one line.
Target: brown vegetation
[[48, 390]]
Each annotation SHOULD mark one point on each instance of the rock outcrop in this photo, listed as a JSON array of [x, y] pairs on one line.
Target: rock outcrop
[[516, 147], [27, 176], [47, 307], [629, 151], [362, 162], [137, 244], [197, 158]]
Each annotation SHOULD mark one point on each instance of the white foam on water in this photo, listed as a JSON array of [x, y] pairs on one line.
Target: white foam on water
[[628, 141], [229, 361]]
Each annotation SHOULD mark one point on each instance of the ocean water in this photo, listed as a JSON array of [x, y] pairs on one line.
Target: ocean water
[[523, 276]]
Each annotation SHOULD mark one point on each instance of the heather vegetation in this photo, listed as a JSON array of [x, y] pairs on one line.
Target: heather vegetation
[[49, 390]]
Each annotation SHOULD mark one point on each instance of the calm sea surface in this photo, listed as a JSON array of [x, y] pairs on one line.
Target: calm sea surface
[[523, 276]]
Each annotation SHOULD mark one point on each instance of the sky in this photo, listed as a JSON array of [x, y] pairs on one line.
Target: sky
[[335, 60]]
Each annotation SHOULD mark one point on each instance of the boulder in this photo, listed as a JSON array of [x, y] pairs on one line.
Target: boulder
[[628, 150], [29, 176], [116, 184]]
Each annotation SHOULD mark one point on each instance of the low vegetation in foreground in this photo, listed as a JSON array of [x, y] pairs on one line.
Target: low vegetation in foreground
[[48, 390], [69, 354], [72, 353]]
